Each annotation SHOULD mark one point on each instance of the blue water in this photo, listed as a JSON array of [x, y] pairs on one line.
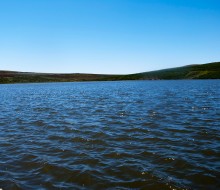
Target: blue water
[[110, 135]]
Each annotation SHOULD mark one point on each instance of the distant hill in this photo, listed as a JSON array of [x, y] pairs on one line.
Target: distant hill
[[25, 77], [204, 71]]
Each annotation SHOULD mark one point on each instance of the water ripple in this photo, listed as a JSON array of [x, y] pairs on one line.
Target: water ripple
[[110, 135]]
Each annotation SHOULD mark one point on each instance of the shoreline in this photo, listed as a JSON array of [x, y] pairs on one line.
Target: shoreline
[[190, 72]]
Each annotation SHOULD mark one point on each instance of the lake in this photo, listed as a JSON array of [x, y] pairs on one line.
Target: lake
[[110, 135]]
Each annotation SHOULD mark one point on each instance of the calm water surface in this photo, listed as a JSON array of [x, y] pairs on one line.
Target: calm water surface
[[110, 135]]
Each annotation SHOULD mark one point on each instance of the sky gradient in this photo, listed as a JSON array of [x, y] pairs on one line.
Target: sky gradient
[[107, 36]]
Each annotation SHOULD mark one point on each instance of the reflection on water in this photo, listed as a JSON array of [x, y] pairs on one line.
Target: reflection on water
[[110, 135]]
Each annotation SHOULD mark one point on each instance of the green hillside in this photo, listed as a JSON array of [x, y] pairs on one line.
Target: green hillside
[[204, 71]]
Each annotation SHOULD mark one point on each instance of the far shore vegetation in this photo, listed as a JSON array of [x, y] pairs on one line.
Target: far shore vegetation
[[203, 71]]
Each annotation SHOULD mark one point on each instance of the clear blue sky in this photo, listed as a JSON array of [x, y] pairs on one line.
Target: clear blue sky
[[107, 36]]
